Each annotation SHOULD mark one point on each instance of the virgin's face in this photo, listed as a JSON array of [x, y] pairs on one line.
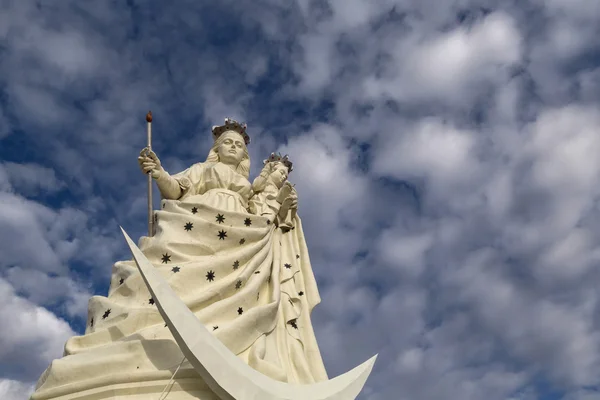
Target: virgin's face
[[231, 150], [279, 174]]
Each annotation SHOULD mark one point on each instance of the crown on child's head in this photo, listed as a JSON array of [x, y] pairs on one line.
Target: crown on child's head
[[231, 125], [276, 157]]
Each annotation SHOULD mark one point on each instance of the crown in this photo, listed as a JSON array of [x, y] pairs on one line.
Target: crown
[[231, 125], [276, 157]]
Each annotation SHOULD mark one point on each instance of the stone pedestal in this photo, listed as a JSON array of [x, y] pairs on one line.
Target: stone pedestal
[[186, 386]]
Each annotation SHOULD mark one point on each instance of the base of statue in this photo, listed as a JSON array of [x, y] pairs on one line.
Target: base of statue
[[180, 388]]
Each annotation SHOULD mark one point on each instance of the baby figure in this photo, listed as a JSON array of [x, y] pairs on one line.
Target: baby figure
[[274, 196]]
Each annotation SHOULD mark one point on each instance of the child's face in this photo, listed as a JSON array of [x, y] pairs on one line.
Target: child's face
[[279, 174]]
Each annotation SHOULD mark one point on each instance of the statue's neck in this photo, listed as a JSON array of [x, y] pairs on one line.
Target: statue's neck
[[233, 167]]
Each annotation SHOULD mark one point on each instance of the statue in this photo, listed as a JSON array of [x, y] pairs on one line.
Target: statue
[[274, 197], [216, 304]]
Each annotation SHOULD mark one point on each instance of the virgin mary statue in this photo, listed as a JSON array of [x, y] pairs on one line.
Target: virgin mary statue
[[220, 246]]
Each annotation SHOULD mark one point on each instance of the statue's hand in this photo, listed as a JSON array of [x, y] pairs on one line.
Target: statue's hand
[[294, 194], [149, 162], [290, 202], [284, 192]]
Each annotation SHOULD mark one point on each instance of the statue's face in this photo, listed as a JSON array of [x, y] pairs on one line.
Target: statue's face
[[231, 150], [279, 174]]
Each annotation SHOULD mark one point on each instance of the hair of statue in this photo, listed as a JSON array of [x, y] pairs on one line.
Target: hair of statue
[[243, 168]]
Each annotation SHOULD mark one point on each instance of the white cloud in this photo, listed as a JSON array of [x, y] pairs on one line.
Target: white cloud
[[451, 66], [570, 257], [31, 335], [558, 338], [326, 187], [477, 252], [410, 361], [565, 143], [24, 229], [404, 252], [41, 289], [431, 149], [31, 179], [15, 390]]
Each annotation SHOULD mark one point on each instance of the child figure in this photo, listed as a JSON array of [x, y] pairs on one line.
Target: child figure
[[274, 196]]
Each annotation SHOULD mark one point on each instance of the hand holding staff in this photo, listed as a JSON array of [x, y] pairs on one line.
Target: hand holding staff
[[149, 162]]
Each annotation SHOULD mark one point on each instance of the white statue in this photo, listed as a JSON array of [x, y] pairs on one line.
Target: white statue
[[274, 197], [238, 264]]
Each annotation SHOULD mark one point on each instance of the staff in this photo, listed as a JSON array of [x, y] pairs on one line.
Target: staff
[[150, 213]]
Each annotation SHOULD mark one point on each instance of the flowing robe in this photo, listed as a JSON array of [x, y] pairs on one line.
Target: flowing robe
[[249, 283]]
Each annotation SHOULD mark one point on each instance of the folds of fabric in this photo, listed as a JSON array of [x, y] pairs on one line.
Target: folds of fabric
[[248, 282]]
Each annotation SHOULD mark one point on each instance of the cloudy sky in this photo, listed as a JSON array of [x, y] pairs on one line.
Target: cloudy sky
[[446, 156]]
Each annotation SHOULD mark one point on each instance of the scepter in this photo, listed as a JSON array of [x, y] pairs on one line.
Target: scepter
[[150, 216]]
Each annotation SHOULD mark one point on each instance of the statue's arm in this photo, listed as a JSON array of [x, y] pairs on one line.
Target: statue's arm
[[169, 187], [260, 182]]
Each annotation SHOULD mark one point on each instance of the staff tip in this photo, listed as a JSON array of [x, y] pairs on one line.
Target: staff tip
[[149, 117]]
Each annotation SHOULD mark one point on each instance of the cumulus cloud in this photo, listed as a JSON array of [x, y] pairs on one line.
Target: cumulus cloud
[[432, 149], [32, 179], [451, 66], [42, 289], [31, 336], [444, 154], [15, 390]]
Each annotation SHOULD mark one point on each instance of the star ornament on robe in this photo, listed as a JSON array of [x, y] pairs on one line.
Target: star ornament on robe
[[222, 235], [194, 210], [247, 222], [106, 314], [188, 227], [151, 302], [92, 322], [220, 218], [196, 340], [238, 284], [166, 258], [210, 276], [242, 241], [287, 265], [121, 281], [175, 269], [236, 264], [240, 311]]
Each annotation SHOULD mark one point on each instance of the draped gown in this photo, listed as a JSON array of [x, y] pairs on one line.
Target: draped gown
[[248, 282]]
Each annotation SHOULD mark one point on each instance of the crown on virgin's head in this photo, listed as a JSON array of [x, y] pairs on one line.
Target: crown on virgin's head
[[231, 125], [276, 157]]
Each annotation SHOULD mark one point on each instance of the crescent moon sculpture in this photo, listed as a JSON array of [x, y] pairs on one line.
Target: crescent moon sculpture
[[227, 375]]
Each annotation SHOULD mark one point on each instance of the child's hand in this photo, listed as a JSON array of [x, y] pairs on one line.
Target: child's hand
[[284, 192]]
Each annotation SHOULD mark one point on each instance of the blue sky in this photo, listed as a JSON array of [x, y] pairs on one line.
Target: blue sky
[[445, 155]]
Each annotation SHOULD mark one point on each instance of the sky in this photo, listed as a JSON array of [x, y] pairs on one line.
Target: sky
[[446, 155]]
